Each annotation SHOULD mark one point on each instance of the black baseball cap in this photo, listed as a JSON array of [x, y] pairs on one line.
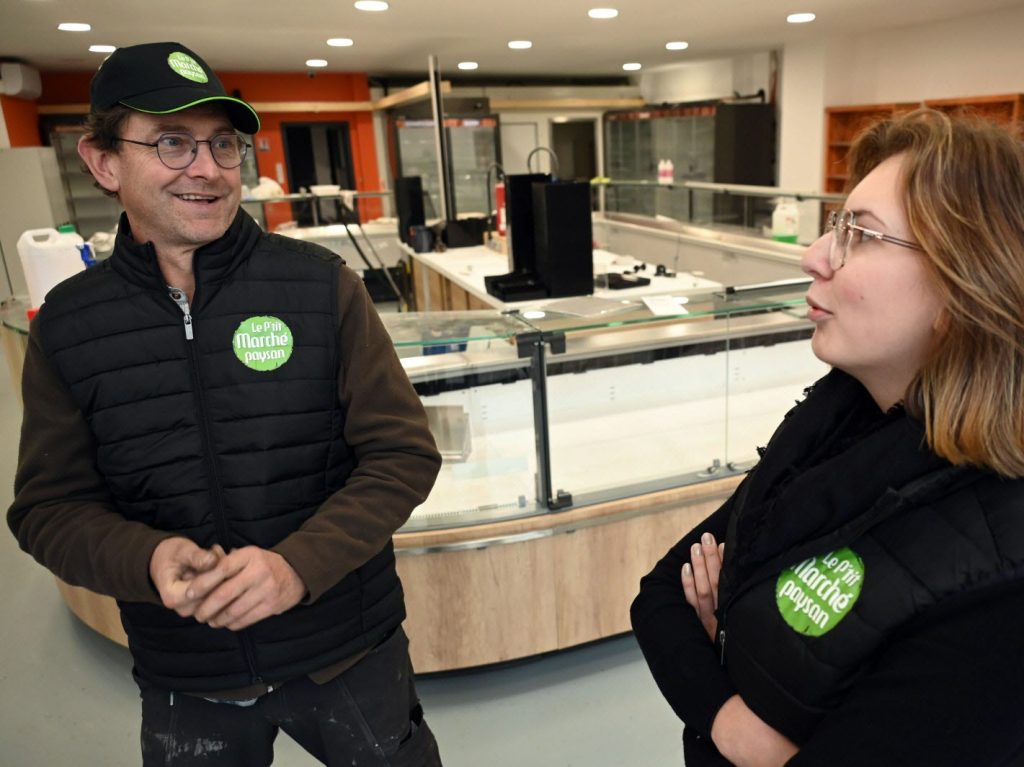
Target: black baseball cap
[[162, 78]]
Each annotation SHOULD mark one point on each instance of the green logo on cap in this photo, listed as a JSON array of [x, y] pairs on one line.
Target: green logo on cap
[[263, 343], [187, 67], [819, 592]]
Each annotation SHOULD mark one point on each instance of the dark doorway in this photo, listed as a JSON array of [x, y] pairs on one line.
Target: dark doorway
[[573, 141], [318, 153]]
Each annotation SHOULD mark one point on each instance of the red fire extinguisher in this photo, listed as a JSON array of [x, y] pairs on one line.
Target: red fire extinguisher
[[499, 204]]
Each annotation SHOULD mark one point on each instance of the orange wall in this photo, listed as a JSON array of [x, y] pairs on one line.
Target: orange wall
[[73, 88], [22, 119]]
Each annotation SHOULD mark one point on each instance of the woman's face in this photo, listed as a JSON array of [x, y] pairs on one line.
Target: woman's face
[[877, 316]]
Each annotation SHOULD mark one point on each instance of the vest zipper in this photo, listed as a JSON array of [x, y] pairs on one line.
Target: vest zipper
[[179, 297], [721, 646]]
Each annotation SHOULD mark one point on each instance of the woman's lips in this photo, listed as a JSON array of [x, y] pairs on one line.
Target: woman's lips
[[815, 312]]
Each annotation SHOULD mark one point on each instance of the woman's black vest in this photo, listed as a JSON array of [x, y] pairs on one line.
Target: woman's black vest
[[849, 530], [222, 426]]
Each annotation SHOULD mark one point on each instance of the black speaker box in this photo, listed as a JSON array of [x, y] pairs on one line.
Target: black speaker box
[[463, 232], [519, 212], [408, 205], [563, 237]]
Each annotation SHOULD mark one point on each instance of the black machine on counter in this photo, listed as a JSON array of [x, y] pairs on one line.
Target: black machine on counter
[[550, 240]]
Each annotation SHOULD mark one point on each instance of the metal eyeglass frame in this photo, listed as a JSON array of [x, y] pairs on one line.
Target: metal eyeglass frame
[[845, 221], [243, 148]]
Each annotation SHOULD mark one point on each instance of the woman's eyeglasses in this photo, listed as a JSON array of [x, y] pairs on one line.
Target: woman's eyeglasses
[[843, 225]]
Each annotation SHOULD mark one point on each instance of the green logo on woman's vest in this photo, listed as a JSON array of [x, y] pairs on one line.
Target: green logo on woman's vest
[[263, 343], [816, 594]]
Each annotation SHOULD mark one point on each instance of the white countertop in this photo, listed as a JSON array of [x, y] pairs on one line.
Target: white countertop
[[467, 267]]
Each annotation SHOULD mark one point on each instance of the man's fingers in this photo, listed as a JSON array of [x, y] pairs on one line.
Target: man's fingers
[[211, 606], [204, 583], [202, 560], [247, 609]]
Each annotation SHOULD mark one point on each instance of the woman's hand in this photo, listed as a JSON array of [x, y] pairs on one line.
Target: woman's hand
[[742, 737], [700, 580]]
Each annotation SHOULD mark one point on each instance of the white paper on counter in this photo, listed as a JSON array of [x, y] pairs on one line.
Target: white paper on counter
[[664, 305]]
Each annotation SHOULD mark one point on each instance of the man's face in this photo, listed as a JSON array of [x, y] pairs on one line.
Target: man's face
[[175, 209]]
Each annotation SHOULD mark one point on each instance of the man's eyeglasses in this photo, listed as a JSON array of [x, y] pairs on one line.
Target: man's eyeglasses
[[843, 225], [178, 150]]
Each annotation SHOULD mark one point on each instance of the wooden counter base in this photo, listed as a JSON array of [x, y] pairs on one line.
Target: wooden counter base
[[508, 590]]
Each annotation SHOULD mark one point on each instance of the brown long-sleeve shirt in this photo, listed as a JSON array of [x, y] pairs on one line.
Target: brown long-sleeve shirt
[[63, 515]]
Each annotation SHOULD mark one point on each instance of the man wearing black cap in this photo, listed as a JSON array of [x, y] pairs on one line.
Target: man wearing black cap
[[219, 434]]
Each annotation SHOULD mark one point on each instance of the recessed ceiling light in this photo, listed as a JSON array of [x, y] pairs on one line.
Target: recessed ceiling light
[[316, 63], [520, 44], [73, 26], [800, 18], [678, 45], [102, 48], [372, 5], [602, 13], [340, 42], [631, 66], [468, 65]]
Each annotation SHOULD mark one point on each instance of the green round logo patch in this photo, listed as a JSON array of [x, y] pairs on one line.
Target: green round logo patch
[[187, 67], [263, 343], [816, 594]]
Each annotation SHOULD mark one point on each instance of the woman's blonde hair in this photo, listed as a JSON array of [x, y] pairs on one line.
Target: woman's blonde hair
[[963, 191]]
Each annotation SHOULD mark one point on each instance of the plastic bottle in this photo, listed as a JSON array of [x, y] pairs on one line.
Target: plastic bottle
[[785, 220], [85, 251], [665, 171], [670, 172], [48, 256]]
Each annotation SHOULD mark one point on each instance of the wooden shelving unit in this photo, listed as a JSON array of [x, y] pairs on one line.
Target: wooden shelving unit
[[842, 124], [1004, 110]]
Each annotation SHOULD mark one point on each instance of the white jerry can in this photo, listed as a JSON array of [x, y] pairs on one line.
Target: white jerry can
[[48, 257]]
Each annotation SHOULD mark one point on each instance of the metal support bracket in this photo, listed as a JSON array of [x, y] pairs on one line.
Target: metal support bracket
[[534, 345]]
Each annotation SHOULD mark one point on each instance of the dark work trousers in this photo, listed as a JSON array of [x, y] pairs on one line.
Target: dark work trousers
[[368, 716]]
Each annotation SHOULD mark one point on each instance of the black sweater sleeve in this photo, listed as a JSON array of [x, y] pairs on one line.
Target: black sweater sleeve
[[682, 659], [949, 692]]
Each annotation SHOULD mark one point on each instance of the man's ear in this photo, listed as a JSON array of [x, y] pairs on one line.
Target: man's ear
[[102, 163]]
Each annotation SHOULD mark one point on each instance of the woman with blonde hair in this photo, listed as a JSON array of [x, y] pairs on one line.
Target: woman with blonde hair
[[866, 604]]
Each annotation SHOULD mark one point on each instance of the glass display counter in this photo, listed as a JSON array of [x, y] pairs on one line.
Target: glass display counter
[[543, 410], [576, 450]]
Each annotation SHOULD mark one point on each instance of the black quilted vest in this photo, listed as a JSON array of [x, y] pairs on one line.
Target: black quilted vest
[[834, 479], [192, 440]]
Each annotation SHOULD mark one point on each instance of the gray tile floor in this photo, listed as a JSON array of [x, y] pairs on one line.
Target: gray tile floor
[[67, 697]]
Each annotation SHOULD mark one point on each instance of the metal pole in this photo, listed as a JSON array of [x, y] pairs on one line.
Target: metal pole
[[533, 345], [444, 180]]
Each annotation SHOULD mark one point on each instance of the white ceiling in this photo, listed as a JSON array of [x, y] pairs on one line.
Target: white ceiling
[[279, 35]]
